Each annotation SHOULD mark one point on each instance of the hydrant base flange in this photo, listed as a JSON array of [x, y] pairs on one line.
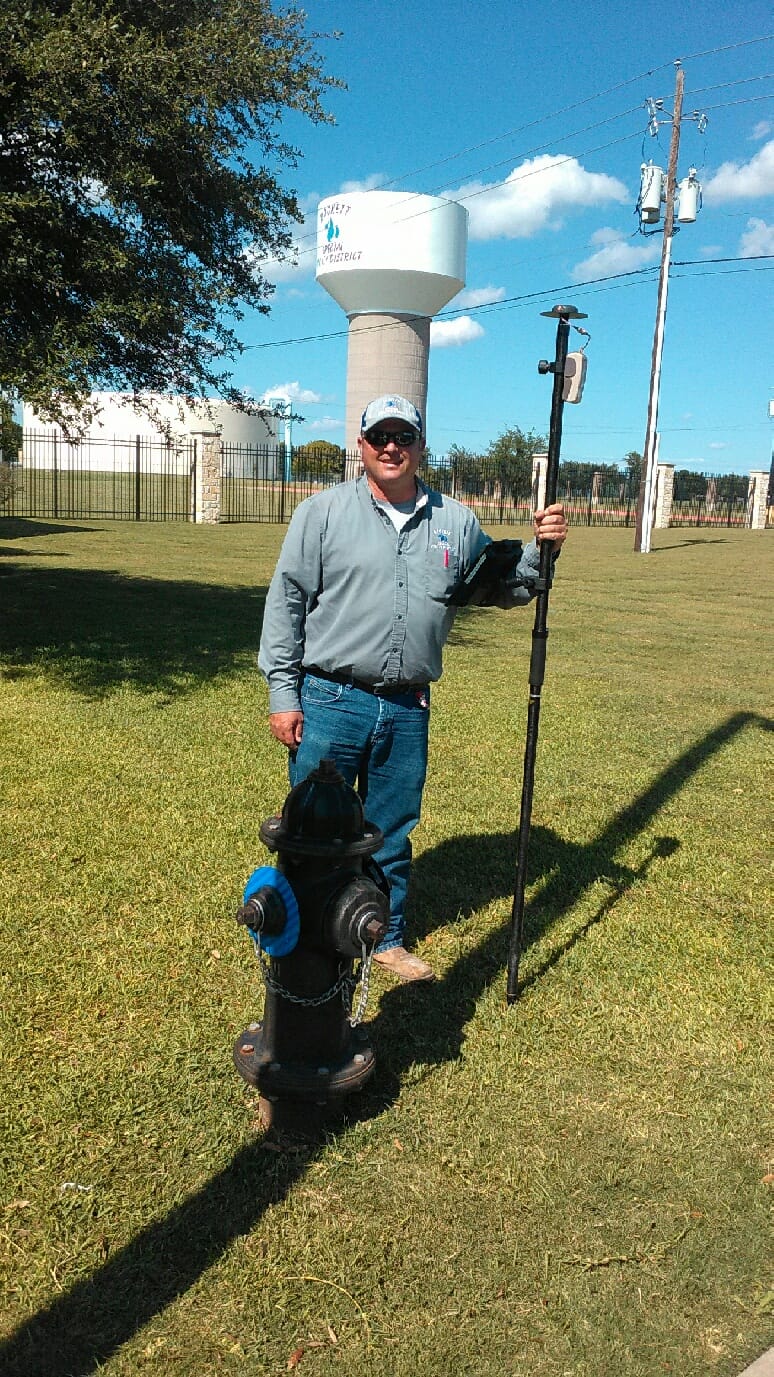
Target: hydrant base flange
[[300, 1081]]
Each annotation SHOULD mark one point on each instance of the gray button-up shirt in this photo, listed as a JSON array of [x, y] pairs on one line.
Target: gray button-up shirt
[[352, 595]]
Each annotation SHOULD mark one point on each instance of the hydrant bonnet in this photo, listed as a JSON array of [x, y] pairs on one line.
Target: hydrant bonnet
[[322, 817]]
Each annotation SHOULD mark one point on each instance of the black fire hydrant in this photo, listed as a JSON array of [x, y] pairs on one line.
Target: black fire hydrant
[[325, 905]]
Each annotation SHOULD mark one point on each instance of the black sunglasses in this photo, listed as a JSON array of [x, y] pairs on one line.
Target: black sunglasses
[[379, 439]]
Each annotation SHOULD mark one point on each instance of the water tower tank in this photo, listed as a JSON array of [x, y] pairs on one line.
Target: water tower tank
[[391, 260]]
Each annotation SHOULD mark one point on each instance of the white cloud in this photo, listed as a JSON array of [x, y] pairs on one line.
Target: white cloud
[[717, 444], [757, 238], [279, 270], [308, 204], [617, 253], [479, 296], [301, 259], [292, 392], [372, 183], [534, 196], [762, 129], [444, 333], [740, 181]]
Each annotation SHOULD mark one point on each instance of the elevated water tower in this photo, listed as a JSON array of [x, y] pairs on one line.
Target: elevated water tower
[[391, 260]]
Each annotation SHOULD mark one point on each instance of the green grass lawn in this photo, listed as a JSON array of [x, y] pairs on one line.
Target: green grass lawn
[[575, 1186]]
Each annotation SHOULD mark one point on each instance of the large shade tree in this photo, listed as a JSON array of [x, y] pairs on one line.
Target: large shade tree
[[142, 170]]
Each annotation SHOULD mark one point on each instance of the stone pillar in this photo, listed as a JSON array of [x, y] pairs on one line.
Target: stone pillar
[[205, 498], [665, 487], [596, 483], [711, 496], [756, 499], [539, 475]]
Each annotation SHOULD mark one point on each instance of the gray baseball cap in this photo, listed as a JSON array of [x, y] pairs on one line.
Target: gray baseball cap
[[391, 408]]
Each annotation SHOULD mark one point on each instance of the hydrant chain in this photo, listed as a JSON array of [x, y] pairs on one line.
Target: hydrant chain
[[284, 993], [364, 975]]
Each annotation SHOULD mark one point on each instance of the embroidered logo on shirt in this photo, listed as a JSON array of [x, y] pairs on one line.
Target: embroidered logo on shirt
[[442, 544]]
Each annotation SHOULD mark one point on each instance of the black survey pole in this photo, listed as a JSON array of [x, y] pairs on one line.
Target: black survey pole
[[537, 664]]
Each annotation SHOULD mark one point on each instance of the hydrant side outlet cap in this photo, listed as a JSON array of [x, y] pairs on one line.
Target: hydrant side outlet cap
[[282, 943]]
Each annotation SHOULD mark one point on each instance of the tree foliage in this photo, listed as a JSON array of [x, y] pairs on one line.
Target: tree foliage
[[633, 462], [319, 460], [511, 454], [140, 188], [10, 434]]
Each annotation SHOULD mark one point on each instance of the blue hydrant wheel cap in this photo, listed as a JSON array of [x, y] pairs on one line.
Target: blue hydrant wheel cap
[[282, 943]]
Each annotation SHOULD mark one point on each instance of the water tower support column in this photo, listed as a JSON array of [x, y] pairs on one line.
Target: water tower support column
[[386, 353]]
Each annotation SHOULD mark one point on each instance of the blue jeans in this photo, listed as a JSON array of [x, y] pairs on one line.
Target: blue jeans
[[379, 744]]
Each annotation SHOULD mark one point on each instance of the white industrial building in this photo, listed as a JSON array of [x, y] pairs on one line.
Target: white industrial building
[[118, 423]]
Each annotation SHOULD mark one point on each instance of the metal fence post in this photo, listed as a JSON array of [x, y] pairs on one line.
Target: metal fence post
[[192, 471], [137, 478]]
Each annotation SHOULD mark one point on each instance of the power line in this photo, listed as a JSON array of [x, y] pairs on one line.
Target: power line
[[732, 272], [728, 47], [590, 285], [448, 315], [751, 100], [738, 258], [536, 171], [539, 148], [724, 85], [521, 129], [565, 110]]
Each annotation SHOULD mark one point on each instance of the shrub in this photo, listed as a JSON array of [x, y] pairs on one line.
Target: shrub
[[9, 482]]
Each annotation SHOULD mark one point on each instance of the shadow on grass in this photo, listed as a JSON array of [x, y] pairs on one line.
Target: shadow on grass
[[17, 527], [680, 544], [81, 1329], [94, 631]]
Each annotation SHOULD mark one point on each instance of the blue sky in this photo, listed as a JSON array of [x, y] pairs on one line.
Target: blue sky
[[536, 116]]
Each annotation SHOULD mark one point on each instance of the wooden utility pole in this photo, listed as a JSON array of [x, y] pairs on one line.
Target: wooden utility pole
[[650, 456]]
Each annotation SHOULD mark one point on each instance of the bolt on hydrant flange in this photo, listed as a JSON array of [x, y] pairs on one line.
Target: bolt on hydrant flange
[[325, 904]]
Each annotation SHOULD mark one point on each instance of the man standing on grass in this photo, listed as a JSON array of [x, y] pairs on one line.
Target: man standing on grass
[[356, 618]]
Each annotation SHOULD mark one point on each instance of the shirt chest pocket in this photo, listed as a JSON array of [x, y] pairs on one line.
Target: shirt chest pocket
[[442, 572]]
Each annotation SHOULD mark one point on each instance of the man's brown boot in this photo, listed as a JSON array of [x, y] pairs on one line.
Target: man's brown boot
[[403, 964]]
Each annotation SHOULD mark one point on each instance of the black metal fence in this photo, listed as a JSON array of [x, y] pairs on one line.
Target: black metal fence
[[137, 479], [501, 496], [267, 482], [151, 479], [702, 500]]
